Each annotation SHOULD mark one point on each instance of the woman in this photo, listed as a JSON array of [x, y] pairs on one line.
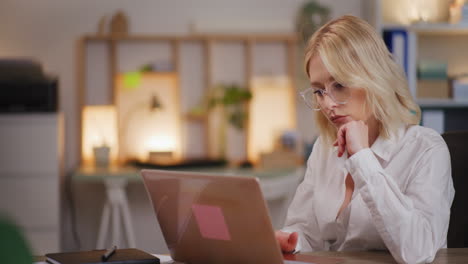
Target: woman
[[375, 179]]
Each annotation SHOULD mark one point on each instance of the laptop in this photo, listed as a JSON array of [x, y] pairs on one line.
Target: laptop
[[212, 219]]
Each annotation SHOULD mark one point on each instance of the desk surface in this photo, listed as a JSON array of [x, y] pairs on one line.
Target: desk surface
[[275, 183], [133, 173], [444, 256]]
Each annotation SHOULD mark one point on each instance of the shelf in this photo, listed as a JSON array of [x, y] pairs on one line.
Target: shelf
[[196, 37], [441, 103], [154, 74], [433, 28]]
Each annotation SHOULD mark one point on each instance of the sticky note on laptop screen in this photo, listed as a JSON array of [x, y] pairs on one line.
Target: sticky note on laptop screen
[[211, 222]]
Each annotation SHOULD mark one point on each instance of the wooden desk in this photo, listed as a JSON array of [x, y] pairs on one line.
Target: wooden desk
[[444, 256]]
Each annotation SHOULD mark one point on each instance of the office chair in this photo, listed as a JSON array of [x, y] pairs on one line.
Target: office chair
[[457, 142]]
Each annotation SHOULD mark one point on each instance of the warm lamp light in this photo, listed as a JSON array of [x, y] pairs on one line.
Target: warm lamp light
[[412, 11], [272, 97], [161, 143], [99, 129]]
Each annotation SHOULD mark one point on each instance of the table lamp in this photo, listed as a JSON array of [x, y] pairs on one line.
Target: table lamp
[[149, 117]]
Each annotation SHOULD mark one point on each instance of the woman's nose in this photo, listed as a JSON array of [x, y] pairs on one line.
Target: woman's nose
[[328, 102]]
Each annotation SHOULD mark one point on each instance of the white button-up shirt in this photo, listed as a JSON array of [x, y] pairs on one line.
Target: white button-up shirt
[[401, 201]]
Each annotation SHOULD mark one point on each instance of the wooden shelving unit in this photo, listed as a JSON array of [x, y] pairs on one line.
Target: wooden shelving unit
[[248, 40], [437, 41]]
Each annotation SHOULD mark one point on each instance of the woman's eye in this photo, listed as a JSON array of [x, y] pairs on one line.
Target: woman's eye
[[337, 85], [318, 92]]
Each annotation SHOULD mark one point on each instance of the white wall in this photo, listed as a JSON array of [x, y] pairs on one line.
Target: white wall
[[47, 30]]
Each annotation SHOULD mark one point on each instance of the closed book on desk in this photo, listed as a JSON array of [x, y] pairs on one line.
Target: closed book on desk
[[121, 256]]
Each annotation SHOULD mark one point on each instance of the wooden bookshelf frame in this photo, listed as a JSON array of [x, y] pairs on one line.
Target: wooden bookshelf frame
[[175, 41]]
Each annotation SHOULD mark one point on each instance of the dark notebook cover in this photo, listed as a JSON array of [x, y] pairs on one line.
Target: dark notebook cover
[[121, 256]]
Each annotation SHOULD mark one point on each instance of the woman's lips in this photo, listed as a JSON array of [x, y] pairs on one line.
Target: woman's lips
[[338, 119]]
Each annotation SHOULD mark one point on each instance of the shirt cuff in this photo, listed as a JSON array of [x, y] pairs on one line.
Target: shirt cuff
[[362, 165]]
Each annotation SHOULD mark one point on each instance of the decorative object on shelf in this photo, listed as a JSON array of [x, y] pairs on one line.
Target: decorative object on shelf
[[99, 142], [432, 70], [458, 12], [132, 79], [284, 153], [119, 24], [101, 156], [433, 89], [223, 104], [464, 14], [310, 17], [432, 79], [278, 159], [158, 66], [289, 140], [406, 12], [233, 98], [161, 157], [460, 88]]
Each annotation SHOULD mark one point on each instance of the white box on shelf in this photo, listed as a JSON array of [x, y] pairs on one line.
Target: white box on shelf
[[460, 89]]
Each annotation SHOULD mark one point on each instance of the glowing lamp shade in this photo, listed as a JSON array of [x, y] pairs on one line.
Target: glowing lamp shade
[[99, 128], [271, 113]]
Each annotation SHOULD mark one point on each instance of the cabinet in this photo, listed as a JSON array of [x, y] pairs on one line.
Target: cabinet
[[31, 176]]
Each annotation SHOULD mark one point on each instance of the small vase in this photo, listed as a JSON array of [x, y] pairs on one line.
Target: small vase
[[101, 156]]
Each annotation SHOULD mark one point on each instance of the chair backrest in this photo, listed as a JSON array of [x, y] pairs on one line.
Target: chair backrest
[[457, 142]]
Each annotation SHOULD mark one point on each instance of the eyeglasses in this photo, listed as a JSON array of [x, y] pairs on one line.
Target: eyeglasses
[[315, 97]]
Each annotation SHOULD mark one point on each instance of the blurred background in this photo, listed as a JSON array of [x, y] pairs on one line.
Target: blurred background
[[93, 91]]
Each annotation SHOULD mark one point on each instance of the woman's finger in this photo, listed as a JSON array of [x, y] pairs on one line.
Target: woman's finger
[[293, 239], [283, 239], [341, 140]]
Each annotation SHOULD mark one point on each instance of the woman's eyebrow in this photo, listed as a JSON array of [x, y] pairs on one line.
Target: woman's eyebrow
[[330, 79]]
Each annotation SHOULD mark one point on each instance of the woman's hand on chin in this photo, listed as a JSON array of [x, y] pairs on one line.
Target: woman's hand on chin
[[352, 137]]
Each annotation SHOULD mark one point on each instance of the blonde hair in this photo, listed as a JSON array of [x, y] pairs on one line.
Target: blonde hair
[[356, 56]]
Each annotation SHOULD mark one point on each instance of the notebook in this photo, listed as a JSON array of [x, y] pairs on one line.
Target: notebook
[[212, 219], [121, 256]]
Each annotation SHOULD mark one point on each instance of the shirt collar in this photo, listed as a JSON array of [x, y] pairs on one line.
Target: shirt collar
[[384, 147]]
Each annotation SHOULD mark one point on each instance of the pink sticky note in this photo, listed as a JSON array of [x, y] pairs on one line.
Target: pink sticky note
[[211, 222]]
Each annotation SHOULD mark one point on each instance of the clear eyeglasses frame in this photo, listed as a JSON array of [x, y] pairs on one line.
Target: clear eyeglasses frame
[[313, 97]]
